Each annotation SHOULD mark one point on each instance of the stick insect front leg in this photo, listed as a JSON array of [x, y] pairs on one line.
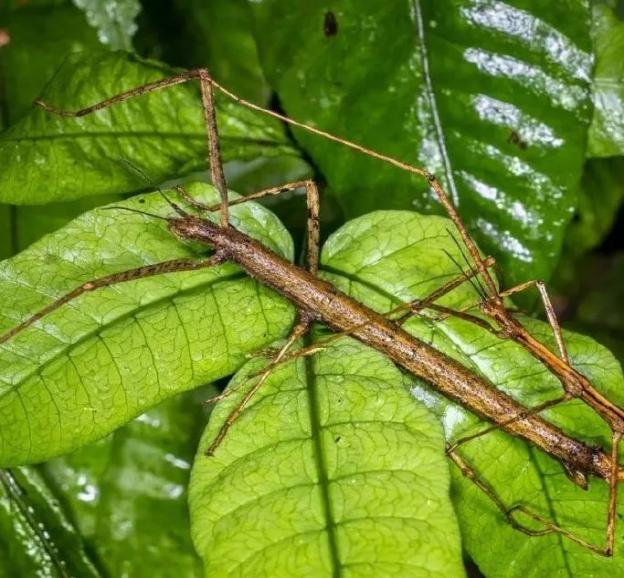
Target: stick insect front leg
[[208, 108], [172, 266]]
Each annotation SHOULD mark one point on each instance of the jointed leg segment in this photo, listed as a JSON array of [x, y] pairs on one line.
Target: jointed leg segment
[[172, 266]]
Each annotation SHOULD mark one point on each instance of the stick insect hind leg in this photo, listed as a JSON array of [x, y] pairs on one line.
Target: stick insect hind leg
[[574, 384]]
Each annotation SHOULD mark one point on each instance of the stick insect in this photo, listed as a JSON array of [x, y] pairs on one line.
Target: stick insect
[[319, 301]]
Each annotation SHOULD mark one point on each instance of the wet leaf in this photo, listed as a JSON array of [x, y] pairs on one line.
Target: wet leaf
[[386, 258], [606, 134], [492, 96], [220, 36], [162, 133], [115, 21], [37, 537], [39, 38], [602, 193], [331, 470], [89, 367], [128, 492]]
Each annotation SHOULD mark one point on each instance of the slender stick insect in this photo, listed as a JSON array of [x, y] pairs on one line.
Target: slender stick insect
[[317, 300]]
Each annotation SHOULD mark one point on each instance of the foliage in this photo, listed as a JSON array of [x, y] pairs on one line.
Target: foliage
[[509, 103]]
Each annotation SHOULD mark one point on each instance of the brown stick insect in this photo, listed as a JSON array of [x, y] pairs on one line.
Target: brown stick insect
[[318, 300]]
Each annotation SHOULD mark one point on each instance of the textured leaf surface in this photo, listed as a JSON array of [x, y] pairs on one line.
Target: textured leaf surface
[[330, 471], [37, 537], [128, 492], [390, 256], [606, 134], [49, 158], [492, 96], [93, 365]]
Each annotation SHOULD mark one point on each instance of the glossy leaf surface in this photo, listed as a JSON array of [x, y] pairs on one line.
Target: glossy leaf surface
[[492, 96], [388, 257], [331, 470], [115, 21], [128, 495], [37, 537], [91, 366], [48, 158], [606, 134]]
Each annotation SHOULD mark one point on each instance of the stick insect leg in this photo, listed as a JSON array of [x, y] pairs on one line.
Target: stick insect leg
[[208, 106], [172, 266], [298, 331], [613, 488], [550, 312], [302, 326], [510, 513], [466, 238]]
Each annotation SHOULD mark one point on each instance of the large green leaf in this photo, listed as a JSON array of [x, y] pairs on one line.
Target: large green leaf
[[40, 38], [128, 492], [38, 538], [93, 365], [492, 96], [49, 158], [606, 134], [220, 36], [388, 257], [331, 470]]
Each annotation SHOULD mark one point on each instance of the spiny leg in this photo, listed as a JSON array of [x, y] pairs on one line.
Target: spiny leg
[[298, 331], [548, 527], [172, 266], [208, 106], [304, 322]]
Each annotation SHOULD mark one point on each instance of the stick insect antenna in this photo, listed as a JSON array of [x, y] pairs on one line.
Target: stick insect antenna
[[132, 210], [131, 167], [473, 279]]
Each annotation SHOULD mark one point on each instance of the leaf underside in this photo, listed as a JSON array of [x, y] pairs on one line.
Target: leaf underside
[[386, 258], [331, 470], [103, 359]]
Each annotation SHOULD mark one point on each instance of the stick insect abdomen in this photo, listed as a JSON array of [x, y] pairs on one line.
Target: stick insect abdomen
[[322, 301]]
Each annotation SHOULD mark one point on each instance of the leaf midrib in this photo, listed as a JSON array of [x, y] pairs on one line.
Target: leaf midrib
[[316, 431], [430, 95]]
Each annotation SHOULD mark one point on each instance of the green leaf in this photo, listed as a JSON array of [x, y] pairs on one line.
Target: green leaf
[[105, 358], [37, 538], [40, 38], [48, 158], [331, 470], [606, 133], [128, 492], [114, 21], [388, 257], [601, 195], [492, 96], [220, 36]]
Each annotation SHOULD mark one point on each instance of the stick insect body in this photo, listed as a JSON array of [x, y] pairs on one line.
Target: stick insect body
[[317, 300]]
